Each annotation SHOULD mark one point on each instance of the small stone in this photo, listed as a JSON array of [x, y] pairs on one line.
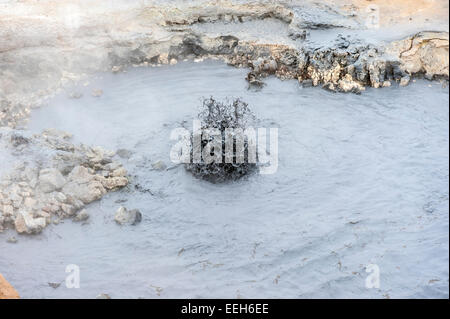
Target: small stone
[[75, 95], [386, 84], [159, 165], [54, 285], [119, 172], [114, 182], [103, 296], [164, 58], [50, 180], [97, 92], [60, 197], [25, 223], [52, 132], [116, 69], [307, 83], [8, 210], [17, 140], [69, 210], [124, 153], [29, 202], [404, 81], [270, 66], [81, 216], [43, 214], [11, 240], [123, 216]]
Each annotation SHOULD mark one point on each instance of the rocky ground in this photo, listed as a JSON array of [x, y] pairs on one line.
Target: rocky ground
[[63, 179], [46, 46]]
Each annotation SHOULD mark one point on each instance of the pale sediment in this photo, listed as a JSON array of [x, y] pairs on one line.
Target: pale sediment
[[42, 50]]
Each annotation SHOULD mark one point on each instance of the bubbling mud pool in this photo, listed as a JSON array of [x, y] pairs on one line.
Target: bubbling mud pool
[[361, 179]]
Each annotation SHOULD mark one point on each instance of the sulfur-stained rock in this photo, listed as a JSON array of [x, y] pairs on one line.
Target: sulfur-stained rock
[[6, 290]]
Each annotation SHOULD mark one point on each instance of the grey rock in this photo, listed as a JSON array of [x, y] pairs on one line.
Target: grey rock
[[159, 165], [126, 217], [54, 285], [17, 140], [307, 83], [11, 240], [81, 216], [404, 81], [124, 153], [50, 180]]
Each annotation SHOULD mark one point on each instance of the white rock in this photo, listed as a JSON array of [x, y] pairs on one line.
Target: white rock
[[25, 223], [50, 180], [80, 174], [57, 133], [60, 197], [119, 172], [8, 210], [29, 202]]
